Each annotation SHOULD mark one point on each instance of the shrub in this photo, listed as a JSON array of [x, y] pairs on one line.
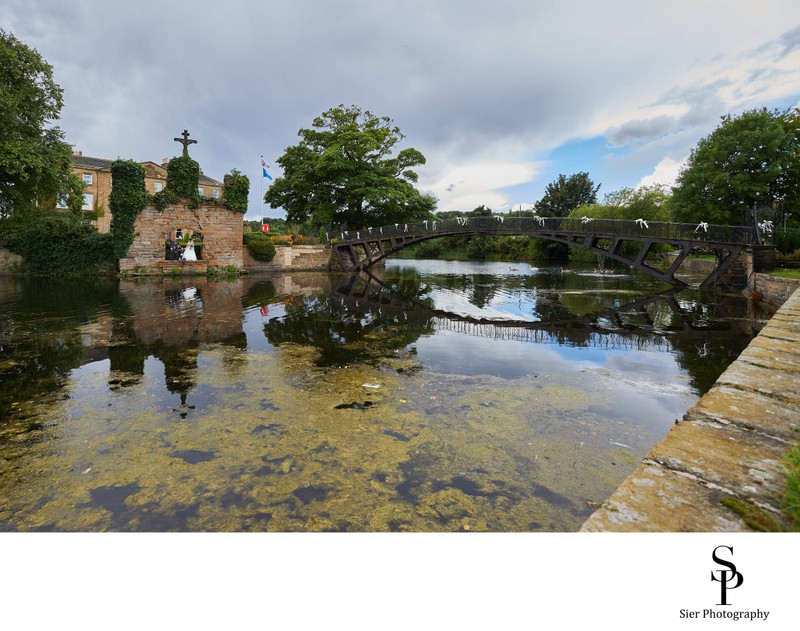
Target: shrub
[[787, 242], [260, 246], [53, 243], [281, 240]]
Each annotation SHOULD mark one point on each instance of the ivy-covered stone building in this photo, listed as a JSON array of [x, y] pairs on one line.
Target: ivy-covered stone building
[[151, 230]]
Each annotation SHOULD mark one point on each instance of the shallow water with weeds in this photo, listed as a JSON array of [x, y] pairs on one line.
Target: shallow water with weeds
[[440, 397]]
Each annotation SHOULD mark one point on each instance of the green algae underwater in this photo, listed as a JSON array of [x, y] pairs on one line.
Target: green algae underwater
[[271, 405]]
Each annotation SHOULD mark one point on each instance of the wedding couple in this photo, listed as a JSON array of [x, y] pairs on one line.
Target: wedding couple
[[189, 253]]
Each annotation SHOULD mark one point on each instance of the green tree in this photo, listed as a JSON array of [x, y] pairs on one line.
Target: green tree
[[750, 159], [342, 171], [789, 179], [34, 159], [560, 198], [565, 194], [645, 202]]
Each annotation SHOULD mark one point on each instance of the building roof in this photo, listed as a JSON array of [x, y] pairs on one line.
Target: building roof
[[81, 161], [87, 162]]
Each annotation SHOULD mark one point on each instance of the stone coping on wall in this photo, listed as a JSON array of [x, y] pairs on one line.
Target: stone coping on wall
[[160, 268], [721, 467]]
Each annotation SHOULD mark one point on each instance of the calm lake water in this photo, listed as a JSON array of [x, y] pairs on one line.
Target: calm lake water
[[444, 396]]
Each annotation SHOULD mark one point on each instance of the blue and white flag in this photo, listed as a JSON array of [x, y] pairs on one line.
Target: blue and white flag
[[264, 168]]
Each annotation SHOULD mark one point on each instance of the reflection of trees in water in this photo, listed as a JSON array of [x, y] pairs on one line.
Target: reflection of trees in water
[[704, 331], [478, 289], [722, 326], [41, 340], [180, 368], [342, 335], [44, 324], [259, 294]]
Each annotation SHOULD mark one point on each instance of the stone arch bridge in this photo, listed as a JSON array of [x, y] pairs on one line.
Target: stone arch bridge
[[360, 249]]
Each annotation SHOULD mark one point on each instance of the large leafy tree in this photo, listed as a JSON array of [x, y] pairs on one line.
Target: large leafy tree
[[567, 193], [34, 159], [750, 159], [342, 171]]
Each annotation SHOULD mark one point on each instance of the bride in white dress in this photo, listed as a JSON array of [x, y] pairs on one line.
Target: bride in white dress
[[188, 253]]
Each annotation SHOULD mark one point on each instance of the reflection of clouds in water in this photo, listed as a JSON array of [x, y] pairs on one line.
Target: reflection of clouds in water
[[639, 404], [457, 353], [454, 353], [646, 388], [630, 387], [457, 301], [659, 366]]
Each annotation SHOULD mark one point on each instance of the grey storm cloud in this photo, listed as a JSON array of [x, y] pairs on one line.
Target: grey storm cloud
[[641, 130], [783, 45]]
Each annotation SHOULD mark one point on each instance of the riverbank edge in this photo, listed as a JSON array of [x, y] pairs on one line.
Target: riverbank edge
[[721, 469]]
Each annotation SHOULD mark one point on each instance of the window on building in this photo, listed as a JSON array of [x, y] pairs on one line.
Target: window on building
[[61, 202], [87, 178], [158, 186], [88, 201], [216, 193]]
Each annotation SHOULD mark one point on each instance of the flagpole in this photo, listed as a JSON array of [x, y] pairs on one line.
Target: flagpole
[[261, 179]]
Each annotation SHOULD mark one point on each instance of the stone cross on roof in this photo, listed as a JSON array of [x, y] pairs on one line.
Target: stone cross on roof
[[185, 142]]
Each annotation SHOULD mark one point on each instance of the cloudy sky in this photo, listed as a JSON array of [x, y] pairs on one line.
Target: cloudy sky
[[501, 97]]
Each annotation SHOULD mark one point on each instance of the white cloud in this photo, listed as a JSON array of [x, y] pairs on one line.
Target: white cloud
[[665, 172], [469, 186]]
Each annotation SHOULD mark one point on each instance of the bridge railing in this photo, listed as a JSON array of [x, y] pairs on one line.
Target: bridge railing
[[668, 231]]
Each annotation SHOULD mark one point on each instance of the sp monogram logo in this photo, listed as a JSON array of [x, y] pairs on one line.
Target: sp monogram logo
[[729, 578]]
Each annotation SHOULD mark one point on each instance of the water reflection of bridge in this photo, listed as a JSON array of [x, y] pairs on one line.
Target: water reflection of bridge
[[360, 249], [524, 333], [631, 326]]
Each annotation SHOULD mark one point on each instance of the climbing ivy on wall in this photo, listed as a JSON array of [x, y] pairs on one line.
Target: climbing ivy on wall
[[128, 198], [236, 188], [183, 178]]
